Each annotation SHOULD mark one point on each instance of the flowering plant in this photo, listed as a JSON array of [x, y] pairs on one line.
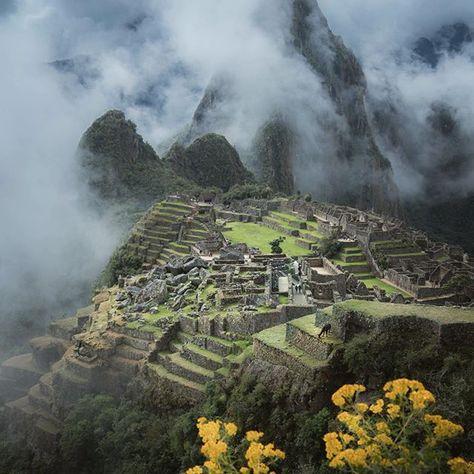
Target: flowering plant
[[396, 433], [220, 449]]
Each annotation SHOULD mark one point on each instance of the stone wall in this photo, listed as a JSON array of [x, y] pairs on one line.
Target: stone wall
[[279, 357], [307, 343], [290, 312]]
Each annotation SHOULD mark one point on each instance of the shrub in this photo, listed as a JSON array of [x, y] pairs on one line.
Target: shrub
[[276, 245]]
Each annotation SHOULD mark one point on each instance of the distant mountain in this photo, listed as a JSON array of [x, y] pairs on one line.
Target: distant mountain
[[82, 68], [448, 39]]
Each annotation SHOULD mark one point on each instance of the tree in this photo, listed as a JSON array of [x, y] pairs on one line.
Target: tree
[[330, 246], [276, 245]]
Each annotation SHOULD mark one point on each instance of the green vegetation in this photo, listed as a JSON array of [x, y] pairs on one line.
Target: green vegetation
[[371, 282], [122, 262], [259, 236], [276, 337], [275, 245], [460, 282], [282, 299], [330, 246], [247, 191]]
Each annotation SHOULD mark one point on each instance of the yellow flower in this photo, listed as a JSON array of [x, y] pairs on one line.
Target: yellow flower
[[382, 427], [351, 421], [444, 429], [373, 451], [377, 406], [361, 407], [346, 438], [213, 467], [383, 438], [253, 435], [337, 462], [244, 470], [209, 430], [231, 428], [333, 445], [421, 398], [393, 410], [345, 394], [213, 450], [460, 466], [355, 457], [195, 470]]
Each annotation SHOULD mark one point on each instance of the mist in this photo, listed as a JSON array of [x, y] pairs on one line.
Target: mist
[[383, 35]]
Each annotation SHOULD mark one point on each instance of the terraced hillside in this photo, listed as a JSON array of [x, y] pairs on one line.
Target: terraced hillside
[[306, 233]]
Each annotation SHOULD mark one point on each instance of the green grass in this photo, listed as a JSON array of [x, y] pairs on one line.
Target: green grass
[[371, 282], [259, 236], [282, 299], [441, 314]]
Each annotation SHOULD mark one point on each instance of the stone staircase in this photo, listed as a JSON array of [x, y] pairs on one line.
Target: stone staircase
[[396, 251], [352, 259], [196, 359], [159, 229]]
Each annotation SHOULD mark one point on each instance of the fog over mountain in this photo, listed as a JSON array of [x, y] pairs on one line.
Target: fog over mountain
[[67, 62]]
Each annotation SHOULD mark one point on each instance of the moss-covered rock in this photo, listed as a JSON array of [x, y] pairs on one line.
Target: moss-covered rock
[[209, 161]]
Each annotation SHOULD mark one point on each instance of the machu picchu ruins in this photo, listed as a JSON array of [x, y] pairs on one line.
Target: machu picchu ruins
[[237, 237], [208, 298]]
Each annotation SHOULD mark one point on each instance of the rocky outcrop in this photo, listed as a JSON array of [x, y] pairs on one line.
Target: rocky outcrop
[[209, 161]]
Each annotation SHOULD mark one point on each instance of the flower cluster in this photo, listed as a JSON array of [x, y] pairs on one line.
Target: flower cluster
[[460, 466], [219, 448], [394, 433]]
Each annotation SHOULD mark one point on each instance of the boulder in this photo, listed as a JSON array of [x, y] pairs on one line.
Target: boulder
[[155, 291], [195, 262], [179, 279]]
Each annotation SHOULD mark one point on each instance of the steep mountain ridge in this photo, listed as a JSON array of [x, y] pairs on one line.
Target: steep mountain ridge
[[357, 173]]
